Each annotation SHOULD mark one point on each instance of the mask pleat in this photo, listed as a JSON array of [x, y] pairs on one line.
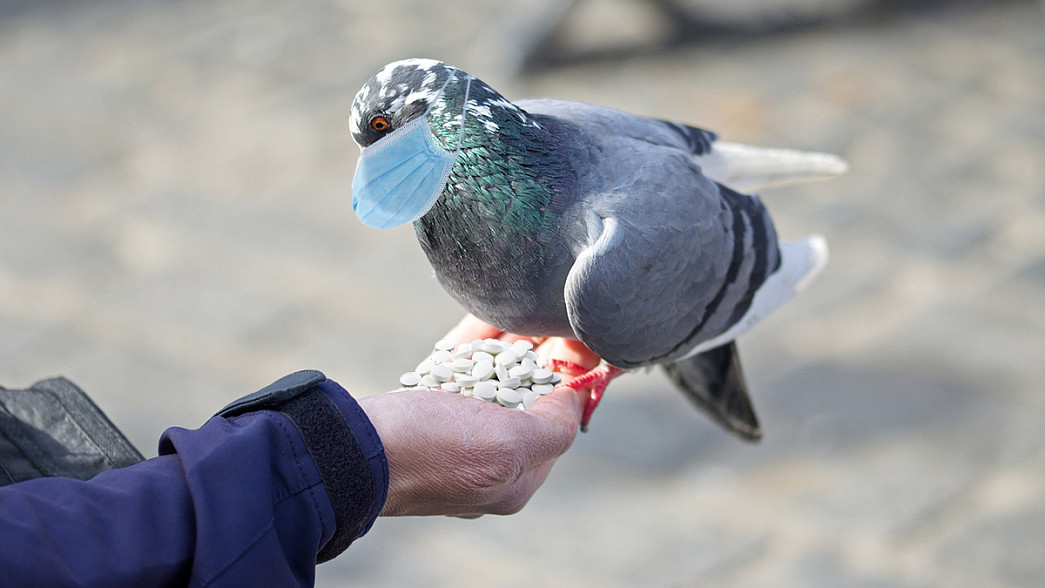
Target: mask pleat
[[399, 178]]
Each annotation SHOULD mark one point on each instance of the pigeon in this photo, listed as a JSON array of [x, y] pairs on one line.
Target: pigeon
[[548, 217]]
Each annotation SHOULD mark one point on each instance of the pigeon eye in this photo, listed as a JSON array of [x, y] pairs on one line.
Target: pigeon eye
[[379, 123]]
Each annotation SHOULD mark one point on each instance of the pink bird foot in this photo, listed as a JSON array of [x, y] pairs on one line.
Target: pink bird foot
[[597, 379]]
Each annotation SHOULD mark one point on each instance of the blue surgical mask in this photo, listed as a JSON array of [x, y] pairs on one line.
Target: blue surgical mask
[[399, 177]]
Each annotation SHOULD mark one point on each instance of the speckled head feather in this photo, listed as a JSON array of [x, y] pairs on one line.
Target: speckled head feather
[[399, 92], [404, 90]]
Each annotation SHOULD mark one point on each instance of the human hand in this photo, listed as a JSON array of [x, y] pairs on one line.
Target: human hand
[[453, 455]]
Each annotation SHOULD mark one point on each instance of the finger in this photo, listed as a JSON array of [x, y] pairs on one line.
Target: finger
[[564, 405], [471, 328], [559, 416], [569, 350]]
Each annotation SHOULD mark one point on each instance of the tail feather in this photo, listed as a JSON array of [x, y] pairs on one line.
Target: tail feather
[[714, 381], [750, 169]]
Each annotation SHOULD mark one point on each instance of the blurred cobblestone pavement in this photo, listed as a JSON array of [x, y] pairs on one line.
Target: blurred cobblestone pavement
[[175, 231]]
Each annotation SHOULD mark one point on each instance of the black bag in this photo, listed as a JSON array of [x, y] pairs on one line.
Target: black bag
[[53, 429]]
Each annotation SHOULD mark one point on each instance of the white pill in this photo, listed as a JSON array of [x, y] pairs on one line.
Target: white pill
[[493, 346], [442, 373], [526, 361], [467, 392], [521, 347], [482, 370], [476, 345], [556, 378], [531, 355], [463, 353], [542, 375], [501, 371], [520, 371], [441, 356], [485, 390], [453, 387], [482, 356], [542, 389], [508, 397], [528, 398], [465, 380], [429, 382], [462, 365], [506, 357], [509, 383], [444, 344], [410, 379], [424, 367]]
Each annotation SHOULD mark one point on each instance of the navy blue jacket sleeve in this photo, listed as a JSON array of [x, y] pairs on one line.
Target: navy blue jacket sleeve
[[275, 482]]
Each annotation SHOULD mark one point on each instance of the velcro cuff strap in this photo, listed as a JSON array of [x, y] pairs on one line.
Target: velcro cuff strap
[[330, 432]]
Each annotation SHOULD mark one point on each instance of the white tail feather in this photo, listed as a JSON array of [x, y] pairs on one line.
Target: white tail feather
[[749, 169]]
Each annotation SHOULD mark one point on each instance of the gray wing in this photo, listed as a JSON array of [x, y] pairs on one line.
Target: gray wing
[[669, 259], [625, 125]]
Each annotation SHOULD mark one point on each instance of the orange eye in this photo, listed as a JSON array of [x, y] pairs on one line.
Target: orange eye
[[379, 123]]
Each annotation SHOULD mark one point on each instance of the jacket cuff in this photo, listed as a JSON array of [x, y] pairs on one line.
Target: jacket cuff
[[342, 442]]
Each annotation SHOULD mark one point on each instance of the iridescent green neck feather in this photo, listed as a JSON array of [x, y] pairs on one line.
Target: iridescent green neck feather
[[491, 236]]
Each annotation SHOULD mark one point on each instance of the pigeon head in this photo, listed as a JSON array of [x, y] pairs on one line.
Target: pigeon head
[[405, 90], [399, 93], [413, 119]]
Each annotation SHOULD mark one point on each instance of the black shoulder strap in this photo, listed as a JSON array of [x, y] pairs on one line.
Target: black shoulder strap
[[54, 429]]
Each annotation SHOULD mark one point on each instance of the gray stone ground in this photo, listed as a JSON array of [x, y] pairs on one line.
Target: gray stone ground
[[175, 231]]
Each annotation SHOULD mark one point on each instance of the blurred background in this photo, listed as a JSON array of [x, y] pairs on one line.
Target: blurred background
[[176, 231]]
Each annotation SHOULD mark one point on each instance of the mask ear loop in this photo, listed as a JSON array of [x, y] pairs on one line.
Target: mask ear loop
[[464, 111], [439, 94], [445, 176]]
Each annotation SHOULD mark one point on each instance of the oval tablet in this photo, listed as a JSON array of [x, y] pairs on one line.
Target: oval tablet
[[543, 389], [485, 390], [452, 387], [462, 364], [492, 346], [506, 358], [410, 379], [501, 371], [441, 356], [442, 373], [482, 356], [465, 380], [482, 370], [424, 367], [520, 371], [429, 382], [521, 347], [542, 376], [509, 383], [528, 398], [444, 345], [508, 397]]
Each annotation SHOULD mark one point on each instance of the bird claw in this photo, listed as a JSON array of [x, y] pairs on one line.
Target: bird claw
[[596, 379]]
